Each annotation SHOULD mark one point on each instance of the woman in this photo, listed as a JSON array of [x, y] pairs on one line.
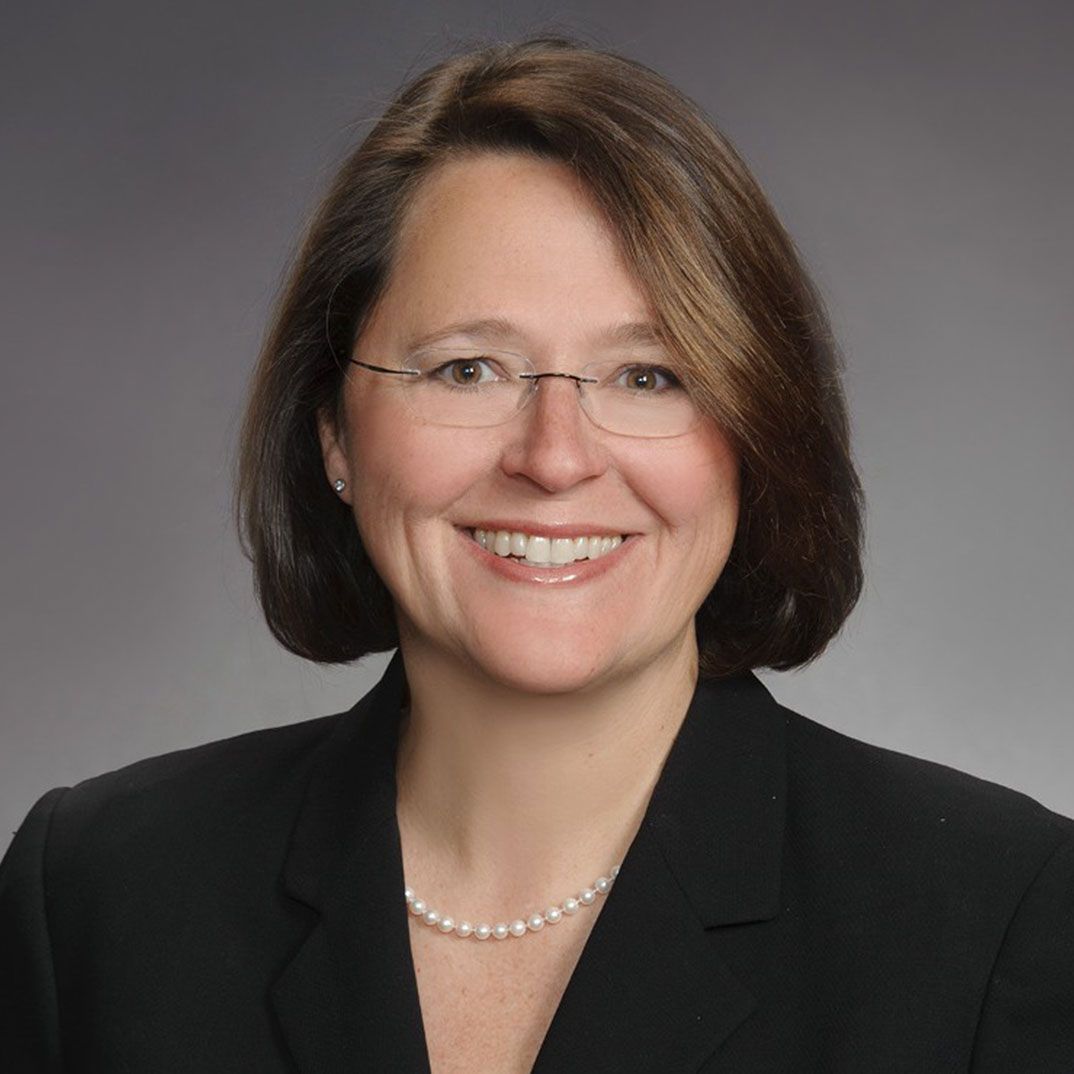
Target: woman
[[549, 404]]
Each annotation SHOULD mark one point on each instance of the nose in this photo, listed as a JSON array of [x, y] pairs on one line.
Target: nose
[[552, 441]]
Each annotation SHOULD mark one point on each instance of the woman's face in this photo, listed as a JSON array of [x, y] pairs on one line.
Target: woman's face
[[516, 239]]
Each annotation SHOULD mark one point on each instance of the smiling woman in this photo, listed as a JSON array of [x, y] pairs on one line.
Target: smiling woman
[[549, 405]]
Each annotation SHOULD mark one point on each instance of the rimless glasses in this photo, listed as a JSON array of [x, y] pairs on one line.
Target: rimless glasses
[[478, 387]]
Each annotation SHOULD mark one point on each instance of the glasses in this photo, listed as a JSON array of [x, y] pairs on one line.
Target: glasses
[[473, 388]]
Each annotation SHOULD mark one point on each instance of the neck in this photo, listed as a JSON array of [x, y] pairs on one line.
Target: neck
[[503, 794]]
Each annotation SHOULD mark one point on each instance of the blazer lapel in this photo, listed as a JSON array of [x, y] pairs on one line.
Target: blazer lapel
[[651, 991], [348, 1001]]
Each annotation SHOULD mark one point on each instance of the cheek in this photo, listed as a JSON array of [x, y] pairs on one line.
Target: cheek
[[693, 486], [405, 473]]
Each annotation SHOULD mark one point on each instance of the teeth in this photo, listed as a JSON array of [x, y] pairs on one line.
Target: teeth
[[545, 551]]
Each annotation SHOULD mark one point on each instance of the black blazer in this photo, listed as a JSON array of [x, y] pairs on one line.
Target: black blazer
[[795, 900]]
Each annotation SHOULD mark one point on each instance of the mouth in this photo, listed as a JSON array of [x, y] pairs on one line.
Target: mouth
[[553, 548]]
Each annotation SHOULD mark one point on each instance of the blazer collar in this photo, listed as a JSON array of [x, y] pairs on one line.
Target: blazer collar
[[651, 986]]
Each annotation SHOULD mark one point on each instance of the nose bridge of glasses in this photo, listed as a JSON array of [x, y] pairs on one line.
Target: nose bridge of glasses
[[575, 385], [578, 378]]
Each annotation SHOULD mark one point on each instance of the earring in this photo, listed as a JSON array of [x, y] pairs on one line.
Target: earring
[[339, 484]]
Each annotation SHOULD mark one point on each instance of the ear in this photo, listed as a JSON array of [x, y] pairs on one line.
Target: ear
[[333, 452]]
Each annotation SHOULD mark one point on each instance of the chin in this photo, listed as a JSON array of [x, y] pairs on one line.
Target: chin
[[548, 668]]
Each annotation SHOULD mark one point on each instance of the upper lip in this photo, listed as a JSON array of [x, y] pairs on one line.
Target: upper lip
[[547, 529]]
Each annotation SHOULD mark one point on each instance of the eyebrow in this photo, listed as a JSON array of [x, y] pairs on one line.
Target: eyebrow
[[498, 329]]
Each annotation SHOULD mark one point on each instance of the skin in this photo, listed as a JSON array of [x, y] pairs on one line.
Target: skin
[[535, 710]]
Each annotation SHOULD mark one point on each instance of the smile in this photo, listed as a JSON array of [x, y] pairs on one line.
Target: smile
[[540, 551]]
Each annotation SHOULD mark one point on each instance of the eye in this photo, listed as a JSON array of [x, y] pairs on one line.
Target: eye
[[463, 372], [649, 378]]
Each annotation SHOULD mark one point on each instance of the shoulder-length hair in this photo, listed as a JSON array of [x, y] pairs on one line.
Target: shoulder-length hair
[[731, 298]]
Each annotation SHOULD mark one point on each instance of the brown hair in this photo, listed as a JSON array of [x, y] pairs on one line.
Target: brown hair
[[727, 286]]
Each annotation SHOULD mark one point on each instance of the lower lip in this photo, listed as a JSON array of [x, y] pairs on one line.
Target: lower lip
[[518, 570]]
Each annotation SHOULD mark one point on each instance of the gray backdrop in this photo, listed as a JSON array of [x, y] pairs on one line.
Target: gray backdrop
[[158, 164]]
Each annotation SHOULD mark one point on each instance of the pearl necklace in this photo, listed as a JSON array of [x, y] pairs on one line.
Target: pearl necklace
[[533, 923]]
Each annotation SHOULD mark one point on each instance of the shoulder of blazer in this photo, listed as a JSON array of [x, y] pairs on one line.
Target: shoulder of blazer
[[885, 827], [231, 799]]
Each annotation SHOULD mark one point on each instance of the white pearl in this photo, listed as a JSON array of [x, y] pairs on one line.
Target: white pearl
[[588, 896], [409, 894], [482, 932], [602, 884], [417, 907], [571, 905], [615, 872], [535, 922], [553, 914], [464, 928], [518, 928], [446, 924], [431, 917], [501, 931]]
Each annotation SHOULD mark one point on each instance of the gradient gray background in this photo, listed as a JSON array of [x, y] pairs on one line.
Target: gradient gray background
[[159, 162]]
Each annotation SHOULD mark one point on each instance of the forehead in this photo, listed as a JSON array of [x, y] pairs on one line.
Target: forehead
[[485, 190], [513, 238]]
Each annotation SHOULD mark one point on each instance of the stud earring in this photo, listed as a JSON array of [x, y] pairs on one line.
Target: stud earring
[[339, 484]]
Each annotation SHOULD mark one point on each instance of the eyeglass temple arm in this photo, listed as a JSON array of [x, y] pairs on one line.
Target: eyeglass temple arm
[[381, 369]]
